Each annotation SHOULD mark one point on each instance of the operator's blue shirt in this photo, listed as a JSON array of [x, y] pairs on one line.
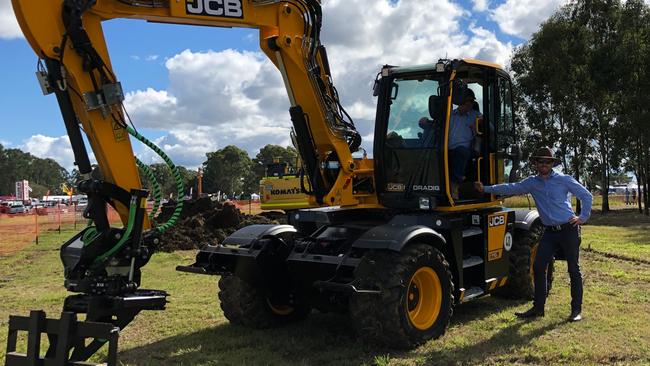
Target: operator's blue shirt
[[551, 196], [460, 128]]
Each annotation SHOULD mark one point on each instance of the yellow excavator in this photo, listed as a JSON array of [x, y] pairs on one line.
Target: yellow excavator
[[387, 240], [284, 186]]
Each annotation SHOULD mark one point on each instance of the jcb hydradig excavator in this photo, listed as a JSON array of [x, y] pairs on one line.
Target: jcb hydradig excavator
[[388, 243]]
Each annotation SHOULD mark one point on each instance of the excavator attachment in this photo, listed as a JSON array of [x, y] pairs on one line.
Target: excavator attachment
[[65, 335]]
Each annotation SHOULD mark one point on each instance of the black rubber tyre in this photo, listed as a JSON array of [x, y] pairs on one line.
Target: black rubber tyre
[[229, 299], [520, 284], [390, 318], [244, 304]]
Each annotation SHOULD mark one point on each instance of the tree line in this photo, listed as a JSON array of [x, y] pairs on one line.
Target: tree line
[[229, 170], [43, 174], [583, 86]]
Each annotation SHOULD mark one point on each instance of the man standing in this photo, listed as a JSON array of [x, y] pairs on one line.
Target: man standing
[[462, 130], [627, 196], [550, 190]]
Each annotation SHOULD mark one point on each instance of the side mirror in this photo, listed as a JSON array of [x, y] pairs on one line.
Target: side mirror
[[437, 107], [375, 88]]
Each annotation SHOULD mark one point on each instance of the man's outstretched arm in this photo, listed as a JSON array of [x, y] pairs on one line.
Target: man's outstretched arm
[[505, 189]]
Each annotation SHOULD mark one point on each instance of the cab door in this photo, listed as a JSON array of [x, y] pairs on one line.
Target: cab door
[[505, 157]]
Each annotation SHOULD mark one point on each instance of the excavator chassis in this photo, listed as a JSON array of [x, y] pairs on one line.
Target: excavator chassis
[[317, 261]]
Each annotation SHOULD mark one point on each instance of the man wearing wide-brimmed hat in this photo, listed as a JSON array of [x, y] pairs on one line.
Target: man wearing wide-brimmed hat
[[550, 190]]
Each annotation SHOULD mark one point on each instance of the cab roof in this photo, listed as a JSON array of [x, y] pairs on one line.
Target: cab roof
[[427, 67]]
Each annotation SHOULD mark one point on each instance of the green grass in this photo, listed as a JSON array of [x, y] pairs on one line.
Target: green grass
[[193, 331]]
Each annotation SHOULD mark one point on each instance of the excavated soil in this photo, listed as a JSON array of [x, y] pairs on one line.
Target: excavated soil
[[203, 221]]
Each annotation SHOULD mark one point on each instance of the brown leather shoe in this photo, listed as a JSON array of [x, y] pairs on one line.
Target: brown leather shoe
[[530, 313]]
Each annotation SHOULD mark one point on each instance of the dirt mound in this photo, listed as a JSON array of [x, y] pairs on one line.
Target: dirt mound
[[203, 221]]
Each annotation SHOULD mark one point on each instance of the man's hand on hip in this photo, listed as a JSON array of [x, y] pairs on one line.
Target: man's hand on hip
[[479, 187], [575, 221]]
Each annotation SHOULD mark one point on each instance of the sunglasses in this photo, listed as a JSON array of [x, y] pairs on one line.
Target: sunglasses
[[545, 161]]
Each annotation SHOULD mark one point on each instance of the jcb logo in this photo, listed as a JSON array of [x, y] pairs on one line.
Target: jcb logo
[[395, 187], [216, 8], [496, 221]]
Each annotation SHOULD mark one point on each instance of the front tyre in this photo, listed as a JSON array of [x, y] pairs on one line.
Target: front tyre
[[416, 300], [249, 306]]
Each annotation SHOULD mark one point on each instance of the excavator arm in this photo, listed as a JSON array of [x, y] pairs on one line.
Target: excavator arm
[[102, 263], [74, 64], [68, 36]]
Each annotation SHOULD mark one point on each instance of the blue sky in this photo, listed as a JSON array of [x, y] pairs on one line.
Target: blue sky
[[248, 106]]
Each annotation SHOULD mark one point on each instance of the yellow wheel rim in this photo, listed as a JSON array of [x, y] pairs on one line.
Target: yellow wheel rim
[[280, 309], [424, 298]]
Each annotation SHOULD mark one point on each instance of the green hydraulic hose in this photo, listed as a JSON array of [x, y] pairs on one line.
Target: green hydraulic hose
[[177, 176], [155, 186], [133, 206], [127, 233]]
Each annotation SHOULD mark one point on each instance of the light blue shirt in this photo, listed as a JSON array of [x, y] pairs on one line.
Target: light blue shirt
[[460, 128], [551, 196]]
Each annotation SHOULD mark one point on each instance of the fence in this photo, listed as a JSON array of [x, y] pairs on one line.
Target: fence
[[18, 230]]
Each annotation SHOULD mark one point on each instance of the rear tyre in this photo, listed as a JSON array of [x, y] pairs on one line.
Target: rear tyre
[[521, 284], [416, 300], [248, 305]]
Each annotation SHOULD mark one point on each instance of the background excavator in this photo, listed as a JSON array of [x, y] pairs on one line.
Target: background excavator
[[386, 242]]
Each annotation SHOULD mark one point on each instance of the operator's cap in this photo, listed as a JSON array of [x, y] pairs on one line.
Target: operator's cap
[[544, 153], [469, 95]]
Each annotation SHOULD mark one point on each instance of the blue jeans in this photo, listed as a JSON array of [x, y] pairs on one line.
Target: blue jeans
[[569, 240], [458, 158]]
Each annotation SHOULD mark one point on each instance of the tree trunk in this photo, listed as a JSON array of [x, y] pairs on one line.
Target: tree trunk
[[637, 175], [646, 197], [576, 175], [604, 181]]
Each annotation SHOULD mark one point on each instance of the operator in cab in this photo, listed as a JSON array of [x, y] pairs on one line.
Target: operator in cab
[[550, 190], [462, 132]]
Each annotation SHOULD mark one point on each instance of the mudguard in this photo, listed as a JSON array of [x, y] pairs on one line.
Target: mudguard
[[395, 237], [248, 235], [524, 218]]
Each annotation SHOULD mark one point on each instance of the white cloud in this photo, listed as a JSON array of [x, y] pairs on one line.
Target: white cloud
[[57, 148], [237, 97], [8, 24], [480, 5], [214, 99], [522, 18], [360, 36]]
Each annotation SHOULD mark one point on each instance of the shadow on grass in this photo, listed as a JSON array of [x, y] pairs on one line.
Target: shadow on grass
[[319, 340], [503, 342]]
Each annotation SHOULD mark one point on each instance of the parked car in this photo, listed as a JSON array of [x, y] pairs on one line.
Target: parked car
[[16, 209]]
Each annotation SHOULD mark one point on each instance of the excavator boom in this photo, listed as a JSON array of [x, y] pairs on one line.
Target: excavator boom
[[102, 263]]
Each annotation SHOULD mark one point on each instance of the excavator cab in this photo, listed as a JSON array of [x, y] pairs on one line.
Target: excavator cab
[[413, 124]]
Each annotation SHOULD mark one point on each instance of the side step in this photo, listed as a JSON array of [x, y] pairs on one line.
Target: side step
[[472, 231], [472, 261], [472, 292]]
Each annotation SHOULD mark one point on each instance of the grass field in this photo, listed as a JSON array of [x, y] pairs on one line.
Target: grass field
[[192, 331]]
